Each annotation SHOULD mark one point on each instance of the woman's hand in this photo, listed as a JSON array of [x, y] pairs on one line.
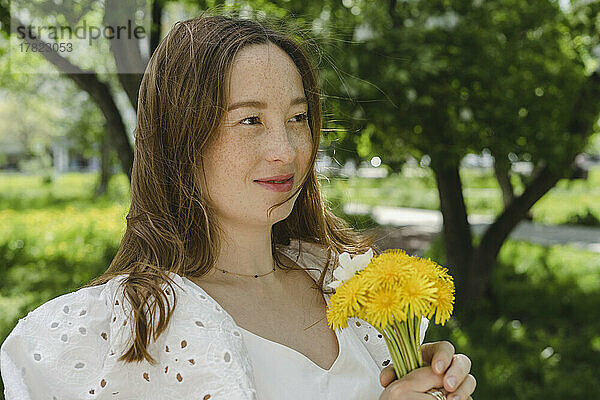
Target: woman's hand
[[444, 369]]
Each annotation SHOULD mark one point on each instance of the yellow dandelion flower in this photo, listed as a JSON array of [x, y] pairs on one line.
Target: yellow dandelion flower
[[443, 273], [383, 305], [417, 294], [346, 302], [444, 300], [431, 269], [336, 314], [393, 286], [387, 269]]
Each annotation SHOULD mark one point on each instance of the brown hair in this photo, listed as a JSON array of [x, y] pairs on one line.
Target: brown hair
[[170, 224]]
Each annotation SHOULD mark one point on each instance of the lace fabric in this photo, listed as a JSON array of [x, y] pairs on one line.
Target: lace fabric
[[68, 348]]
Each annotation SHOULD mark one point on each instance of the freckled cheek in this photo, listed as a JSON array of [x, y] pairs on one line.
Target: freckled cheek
[[236, 154], [224, 169], [304, 151]]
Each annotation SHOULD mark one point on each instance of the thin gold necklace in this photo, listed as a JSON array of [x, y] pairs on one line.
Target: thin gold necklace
[[250, 276]]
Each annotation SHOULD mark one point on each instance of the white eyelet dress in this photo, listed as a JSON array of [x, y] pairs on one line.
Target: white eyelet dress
[[281, 372], [69, 348], [284, 373]]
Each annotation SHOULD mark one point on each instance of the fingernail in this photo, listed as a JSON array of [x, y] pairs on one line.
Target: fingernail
[[452, 382], [439, 366], [453, 397]]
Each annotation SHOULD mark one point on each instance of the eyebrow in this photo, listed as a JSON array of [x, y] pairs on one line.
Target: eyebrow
[[260, 104]]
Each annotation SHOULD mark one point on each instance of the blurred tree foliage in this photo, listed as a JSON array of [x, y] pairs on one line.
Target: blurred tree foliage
[[38, 112], [444, 78], [89, 73]]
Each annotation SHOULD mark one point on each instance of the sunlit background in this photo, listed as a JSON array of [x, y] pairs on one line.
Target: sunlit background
[[465, 131]]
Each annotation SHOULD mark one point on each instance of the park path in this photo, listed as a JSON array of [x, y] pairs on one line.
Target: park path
[[429, 222]]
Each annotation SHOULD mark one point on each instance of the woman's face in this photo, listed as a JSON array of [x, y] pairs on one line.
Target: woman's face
[[265, 133]]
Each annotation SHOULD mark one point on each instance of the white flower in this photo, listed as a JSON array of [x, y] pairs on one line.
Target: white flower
[[424, 325], [349, 267]]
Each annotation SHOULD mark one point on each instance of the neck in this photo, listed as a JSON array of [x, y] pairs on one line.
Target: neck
[[248, 254]]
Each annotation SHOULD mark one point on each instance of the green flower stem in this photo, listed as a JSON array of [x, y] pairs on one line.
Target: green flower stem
[[410, 330], [402, 345], [418, 340], [414, 328], [409, 345], [398, 346], [397, 362], [413, 333], [405, 337]]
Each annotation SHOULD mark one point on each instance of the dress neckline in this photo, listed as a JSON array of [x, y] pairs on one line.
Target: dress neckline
[[338, 335], [296, 353]]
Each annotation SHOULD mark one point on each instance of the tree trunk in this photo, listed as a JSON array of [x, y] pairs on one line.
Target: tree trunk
[[105, 166], [501, 170], [541, 181], [456, 229], [155, 32], [101, 95], [484, 257], [396, 21], [126, 52]]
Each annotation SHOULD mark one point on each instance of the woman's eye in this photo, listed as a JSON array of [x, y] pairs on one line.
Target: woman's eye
[[251, 120], [256, 119], [301, 117]]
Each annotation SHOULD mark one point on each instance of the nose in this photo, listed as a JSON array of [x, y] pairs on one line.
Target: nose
[[280, 145]]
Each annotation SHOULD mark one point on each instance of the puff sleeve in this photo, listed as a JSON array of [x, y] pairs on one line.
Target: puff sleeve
[[69, 348], [58, 350]]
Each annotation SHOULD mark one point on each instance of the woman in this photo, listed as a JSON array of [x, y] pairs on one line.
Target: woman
[[211, 294]]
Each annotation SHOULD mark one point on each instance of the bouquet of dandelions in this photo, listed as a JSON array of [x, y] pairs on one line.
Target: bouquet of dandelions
[[392, 292]]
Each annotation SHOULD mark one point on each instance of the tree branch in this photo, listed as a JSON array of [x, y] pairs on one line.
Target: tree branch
[[392, 12], [543, 179], [155, 31], [126, 52], [101, 95]]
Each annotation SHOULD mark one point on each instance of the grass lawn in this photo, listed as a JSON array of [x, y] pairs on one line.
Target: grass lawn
[[416, 188], [538, 336]]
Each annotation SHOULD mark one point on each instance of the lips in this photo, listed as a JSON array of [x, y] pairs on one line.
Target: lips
[[277, 178], [286, 186]]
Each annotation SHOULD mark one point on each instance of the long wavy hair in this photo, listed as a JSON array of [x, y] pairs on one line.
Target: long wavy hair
[[171, 226]]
